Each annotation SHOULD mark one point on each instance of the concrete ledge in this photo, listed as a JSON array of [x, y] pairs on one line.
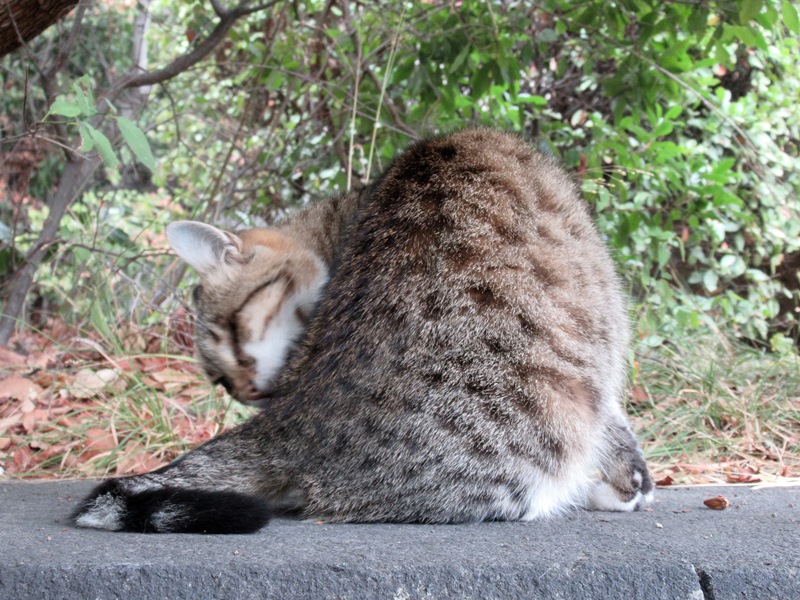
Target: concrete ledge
[[680, 549]]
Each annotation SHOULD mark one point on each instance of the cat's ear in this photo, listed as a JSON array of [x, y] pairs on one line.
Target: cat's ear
[[205, 248]]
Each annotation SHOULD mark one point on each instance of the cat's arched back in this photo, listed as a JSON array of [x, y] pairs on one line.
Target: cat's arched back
[[465, 361]]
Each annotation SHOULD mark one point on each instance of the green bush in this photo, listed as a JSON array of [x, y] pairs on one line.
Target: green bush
[[680, 119]]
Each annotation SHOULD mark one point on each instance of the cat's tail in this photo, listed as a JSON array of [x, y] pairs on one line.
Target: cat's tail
[[116, 505], [209, 490]]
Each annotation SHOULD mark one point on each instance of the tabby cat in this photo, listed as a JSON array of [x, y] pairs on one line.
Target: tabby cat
[[447, 345]]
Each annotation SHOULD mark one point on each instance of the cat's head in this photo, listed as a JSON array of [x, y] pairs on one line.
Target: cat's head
[[257, 290]]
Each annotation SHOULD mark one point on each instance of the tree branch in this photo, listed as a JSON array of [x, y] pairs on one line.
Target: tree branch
[[188, 60], [258, 7], [218, 8]]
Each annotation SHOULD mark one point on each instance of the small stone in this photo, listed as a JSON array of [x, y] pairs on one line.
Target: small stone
[[659, 525]]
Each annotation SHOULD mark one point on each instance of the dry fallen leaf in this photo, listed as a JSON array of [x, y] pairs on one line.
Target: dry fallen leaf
[[717, 502], [741, 478], [17, 387], [171, 380], [639, 395], [148, 364], [98, 441], [180, 331], [22, 458], [136, 460], [9, 422], [9, 357], [665, 481], [88, 383], [40, 360]]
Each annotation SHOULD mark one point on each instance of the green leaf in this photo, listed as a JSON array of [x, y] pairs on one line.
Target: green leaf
[[459, 60], [274, 79], [104, 148], [137, 142], [673, 112], [663, 151], [757, 275], [698, 20], [781, 344], [722, 170], [653, 341], [710, 280], [6, 234], [749, 10], [740, 33], [65, 108], [548, 36], [481, 82], [85, 102], [588, 16], [100, 321], [529, 99], [768, 18], [676, 58], [790, 16], [663, 128], [86, 137], [403, 71]]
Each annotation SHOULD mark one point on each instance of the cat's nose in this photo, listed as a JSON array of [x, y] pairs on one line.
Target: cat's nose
[[250, 392], [254, 396]]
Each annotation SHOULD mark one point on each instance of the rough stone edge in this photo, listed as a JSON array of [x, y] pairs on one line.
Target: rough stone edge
[[108, 582]]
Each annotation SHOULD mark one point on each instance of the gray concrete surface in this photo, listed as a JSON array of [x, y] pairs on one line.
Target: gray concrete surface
[[679, 549]]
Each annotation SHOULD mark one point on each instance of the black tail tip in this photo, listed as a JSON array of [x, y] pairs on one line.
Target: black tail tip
[[170, 510]]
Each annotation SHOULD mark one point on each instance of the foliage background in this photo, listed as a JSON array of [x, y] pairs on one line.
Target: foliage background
[[681, 120]]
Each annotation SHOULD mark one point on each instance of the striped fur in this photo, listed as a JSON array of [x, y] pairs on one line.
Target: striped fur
[[458, 353]]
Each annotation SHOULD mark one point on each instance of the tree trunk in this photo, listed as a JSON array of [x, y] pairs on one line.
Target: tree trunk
[[75, 176], [129, 92], [23, 20]]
